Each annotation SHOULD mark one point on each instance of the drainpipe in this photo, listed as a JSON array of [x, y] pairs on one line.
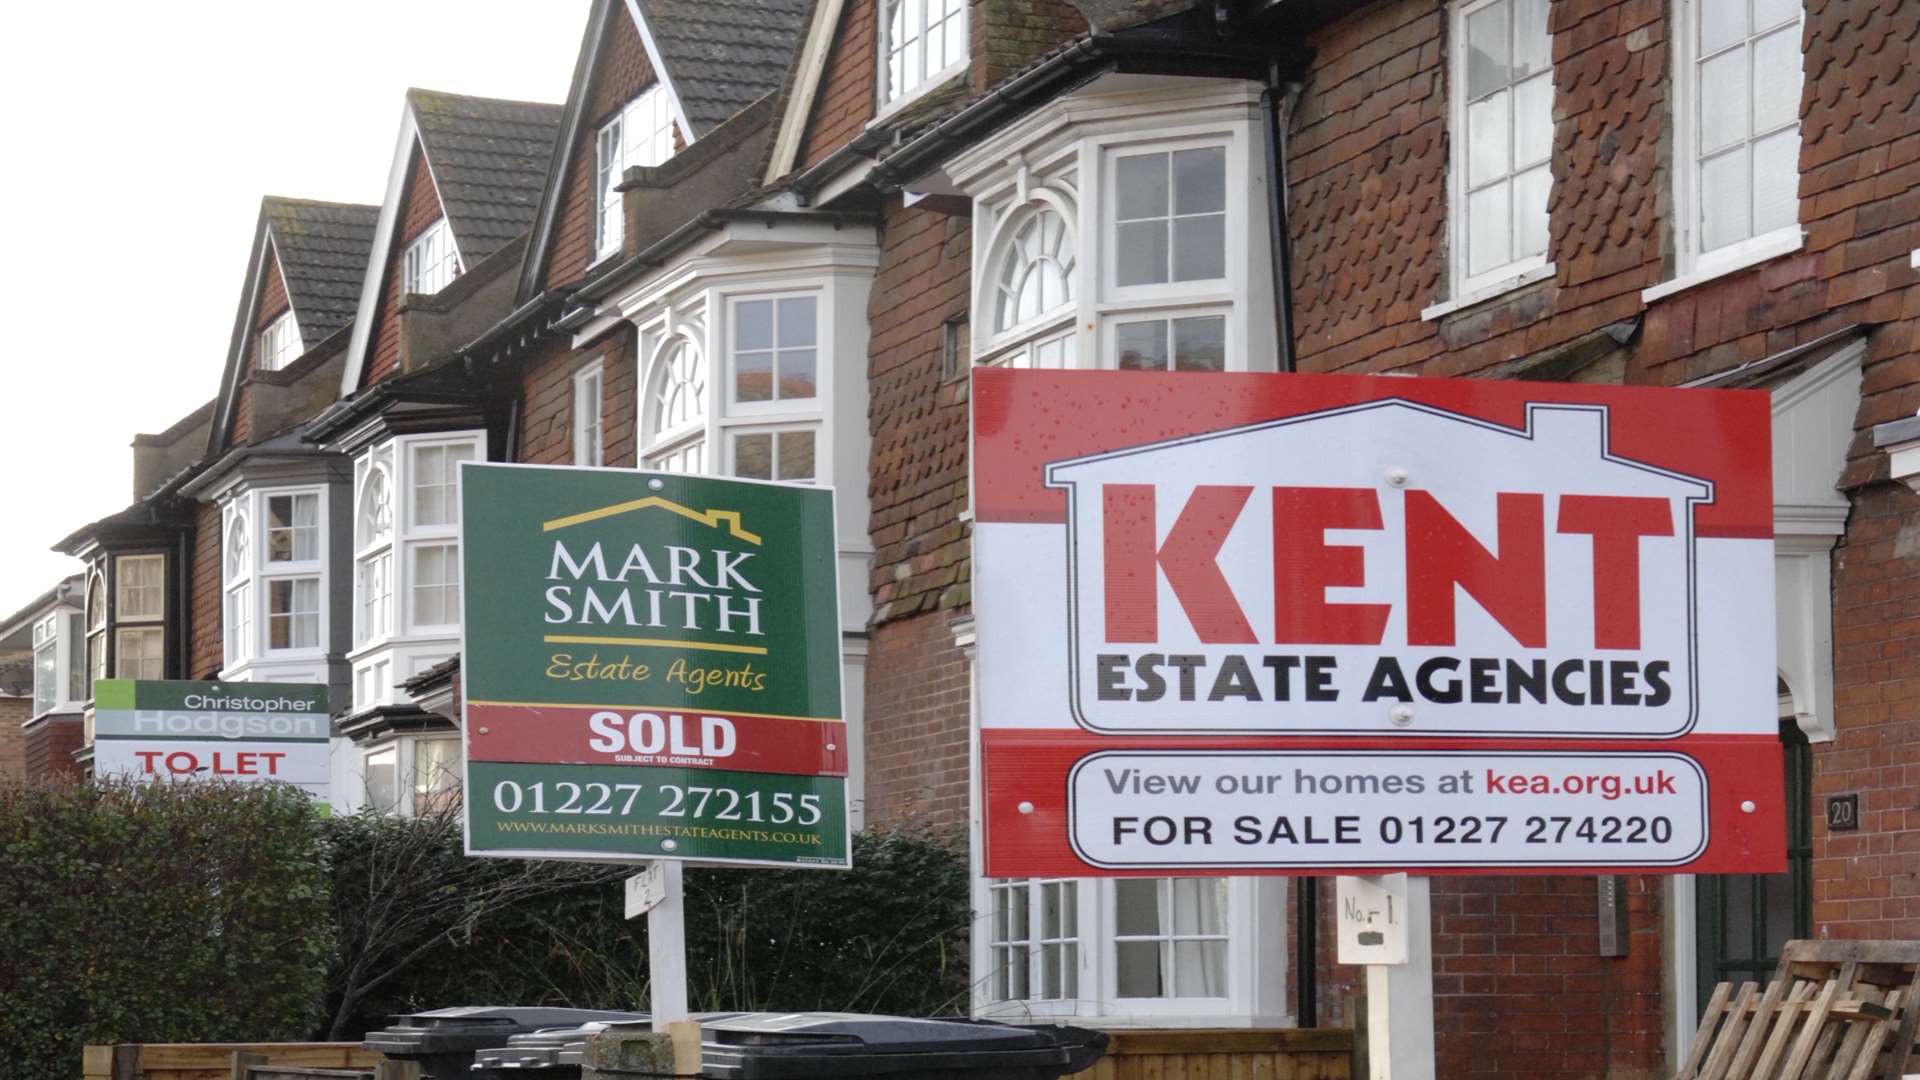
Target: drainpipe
[[1276, 113]]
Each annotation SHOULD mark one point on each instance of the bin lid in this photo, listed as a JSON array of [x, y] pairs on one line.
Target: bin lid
[[469, 1028], [796, 1045], [546, 1049]]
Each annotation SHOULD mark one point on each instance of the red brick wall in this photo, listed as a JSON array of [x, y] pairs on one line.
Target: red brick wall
[[916, 679], [49, 747], [918, 424], [844, 102], [420, 202], [1368, 164], [546, 396], [1006, 35], [917, 730], [13, 751], [623, 73], [204, 655]]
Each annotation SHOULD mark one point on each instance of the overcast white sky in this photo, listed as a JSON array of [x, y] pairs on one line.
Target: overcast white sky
[[140, 138]]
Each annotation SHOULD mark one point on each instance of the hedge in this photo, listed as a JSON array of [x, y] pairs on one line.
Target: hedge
[[213, 912], [157, 914]]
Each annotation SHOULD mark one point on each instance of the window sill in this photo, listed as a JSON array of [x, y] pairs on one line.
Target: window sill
[[1744, 256], [885, 111], [1485, 293]]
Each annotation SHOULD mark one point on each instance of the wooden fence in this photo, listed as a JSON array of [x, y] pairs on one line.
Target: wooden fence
[[1304, 1054], [215, 1061], [1312, 1054]]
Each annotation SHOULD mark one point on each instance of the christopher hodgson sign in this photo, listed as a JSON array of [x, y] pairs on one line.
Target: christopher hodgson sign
[[652, 668], [235, 731], [1282, 623]]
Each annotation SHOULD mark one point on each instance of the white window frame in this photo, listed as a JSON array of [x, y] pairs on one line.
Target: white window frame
[[892, 98], [1256, 964], [616, 151], [589, 415], [774, 405], [432, 260], [380, 662], [1065, 156], [60, 633], [688, 445], [1466, 288], [247, 590], [1692, 266], [1110, 336], [280, 343], [373, 549], [734, 432], [405, 751]]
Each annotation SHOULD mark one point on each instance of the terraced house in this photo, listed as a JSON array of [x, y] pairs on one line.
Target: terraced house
[[770, 239]]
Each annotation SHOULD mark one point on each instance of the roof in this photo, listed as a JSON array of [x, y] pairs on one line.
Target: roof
[[489, 159], [721, 56], [323, 250], [67, 587]]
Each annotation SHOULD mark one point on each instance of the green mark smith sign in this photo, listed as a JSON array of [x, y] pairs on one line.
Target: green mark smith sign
[[652, 665]]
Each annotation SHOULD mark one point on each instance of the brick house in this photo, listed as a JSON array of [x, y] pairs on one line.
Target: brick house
[[42, 685], [769, 238]]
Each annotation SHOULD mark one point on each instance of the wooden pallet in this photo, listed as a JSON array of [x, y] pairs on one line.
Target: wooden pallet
[[1834, 1010]]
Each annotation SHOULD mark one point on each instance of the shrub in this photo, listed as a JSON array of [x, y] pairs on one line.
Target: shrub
[[156, 913]]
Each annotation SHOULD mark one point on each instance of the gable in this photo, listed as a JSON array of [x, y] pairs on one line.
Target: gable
[[273, 304], [420, 208], [720, 55], [621, 72]]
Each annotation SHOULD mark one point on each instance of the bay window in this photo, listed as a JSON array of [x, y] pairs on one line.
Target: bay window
[[275, 572], [640, 134], [280, 343], [922, 43], [431, 262], [406, 561], [140, 608], [1099, 244], [1738, 75], [1501, 119], [589, 408], [1159, 951], [414, 774], [59, 672]]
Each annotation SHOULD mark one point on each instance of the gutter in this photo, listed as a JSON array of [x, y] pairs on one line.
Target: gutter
[[654, 255]]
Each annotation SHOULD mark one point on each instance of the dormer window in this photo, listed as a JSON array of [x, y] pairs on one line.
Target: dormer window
[[922, 43], [432, 263], [641, 134], [280, 343]]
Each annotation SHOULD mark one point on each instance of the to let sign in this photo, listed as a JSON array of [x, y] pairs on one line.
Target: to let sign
[[1245, 623], [234, 731], [652, 668]]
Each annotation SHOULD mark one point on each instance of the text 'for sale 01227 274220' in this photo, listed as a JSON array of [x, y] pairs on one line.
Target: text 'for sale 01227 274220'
[[1289, 623]]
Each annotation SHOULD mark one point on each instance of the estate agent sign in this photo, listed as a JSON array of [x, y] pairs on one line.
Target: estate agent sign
[[652, 666], [237, 731], [1246, 623]]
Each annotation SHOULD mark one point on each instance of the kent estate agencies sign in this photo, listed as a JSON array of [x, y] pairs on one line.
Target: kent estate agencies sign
[[652, 668], [1244, 623]]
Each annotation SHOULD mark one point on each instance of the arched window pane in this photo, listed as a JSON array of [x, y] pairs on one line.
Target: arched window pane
[[374, 523], [1036, 274], [237, 549], [680, 390]]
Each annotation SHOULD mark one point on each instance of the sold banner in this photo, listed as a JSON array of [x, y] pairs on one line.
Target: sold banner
[[1288, 623], [652, 668], [236, 731]]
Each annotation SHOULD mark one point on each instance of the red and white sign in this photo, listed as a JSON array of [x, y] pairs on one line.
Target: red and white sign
[[1245, 623]]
